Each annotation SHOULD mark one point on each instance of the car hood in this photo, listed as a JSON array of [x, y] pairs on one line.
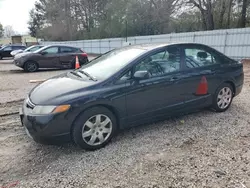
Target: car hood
[[23, 54], [60, 90]]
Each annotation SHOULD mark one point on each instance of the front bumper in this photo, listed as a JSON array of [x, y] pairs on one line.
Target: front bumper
[[18, 63], [46, 128]]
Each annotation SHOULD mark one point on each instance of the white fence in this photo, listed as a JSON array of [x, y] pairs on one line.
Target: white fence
[[233, 42]]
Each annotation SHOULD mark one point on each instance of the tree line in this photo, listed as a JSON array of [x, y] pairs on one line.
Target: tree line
[[90, 19]]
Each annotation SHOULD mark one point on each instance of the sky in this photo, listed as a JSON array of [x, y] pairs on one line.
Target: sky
[[16, 14]]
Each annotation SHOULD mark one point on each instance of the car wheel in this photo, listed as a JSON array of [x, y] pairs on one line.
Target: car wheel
[[94, 128], [30, 66], [223, 98]]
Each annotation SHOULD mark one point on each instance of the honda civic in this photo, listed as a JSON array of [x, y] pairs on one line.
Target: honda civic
[[130, 86]]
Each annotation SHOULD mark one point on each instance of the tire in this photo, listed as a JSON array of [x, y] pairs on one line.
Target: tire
[[223, 98], [30, 66], [95, 137]]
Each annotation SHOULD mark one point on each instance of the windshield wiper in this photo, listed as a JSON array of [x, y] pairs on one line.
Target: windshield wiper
[[88, 75], [74, 73]]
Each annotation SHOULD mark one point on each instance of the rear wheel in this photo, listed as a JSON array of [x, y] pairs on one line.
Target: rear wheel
[[30, 66], [94, 128], [223, 98]]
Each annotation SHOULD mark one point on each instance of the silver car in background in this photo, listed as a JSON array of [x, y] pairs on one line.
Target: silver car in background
[[29, 49]]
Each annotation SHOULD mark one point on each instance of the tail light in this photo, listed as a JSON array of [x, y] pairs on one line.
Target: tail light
[[84, 54]]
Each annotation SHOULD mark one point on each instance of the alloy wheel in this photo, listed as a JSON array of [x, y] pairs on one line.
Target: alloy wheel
[[97, 130], [31, 67], [224, 97]]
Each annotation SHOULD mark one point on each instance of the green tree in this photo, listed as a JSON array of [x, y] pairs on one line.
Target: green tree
[[1, 30]]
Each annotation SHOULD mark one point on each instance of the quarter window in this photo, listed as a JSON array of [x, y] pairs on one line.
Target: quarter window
[[161, 63], [67, 50], [196, 57]]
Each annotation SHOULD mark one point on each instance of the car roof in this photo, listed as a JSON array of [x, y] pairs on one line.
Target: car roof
[[61, 45], [14, 45], [154, 46], [151, 46]]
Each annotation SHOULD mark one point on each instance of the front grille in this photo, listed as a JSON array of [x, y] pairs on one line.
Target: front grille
[[29, 104]]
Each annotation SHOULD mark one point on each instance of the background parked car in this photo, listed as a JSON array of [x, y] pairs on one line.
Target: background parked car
[[29, 49], [6, 50], [52, 56]]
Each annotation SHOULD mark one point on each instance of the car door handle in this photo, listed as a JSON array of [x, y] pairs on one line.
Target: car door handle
[[174, 78], [207, 72]]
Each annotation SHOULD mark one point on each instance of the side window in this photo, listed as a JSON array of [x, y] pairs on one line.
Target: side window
[[68, 50], [17, 47], [51, 50], [126, 76], [161, 63], [198, 57], [9, 48]]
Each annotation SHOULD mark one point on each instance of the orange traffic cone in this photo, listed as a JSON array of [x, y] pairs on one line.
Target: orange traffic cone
[[203, 87], [77, 66]]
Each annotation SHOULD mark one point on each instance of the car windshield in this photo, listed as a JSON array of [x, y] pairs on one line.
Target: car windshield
[[32, 48], [111, 62], [39, 50], [2, 47]]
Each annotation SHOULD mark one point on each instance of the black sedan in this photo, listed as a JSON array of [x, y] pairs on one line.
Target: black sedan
[[6, 50], [130, 86]]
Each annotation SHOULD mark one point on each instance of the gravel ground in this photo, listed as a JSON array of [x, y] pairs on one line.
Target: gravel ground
[[203, 149], [15, 82]]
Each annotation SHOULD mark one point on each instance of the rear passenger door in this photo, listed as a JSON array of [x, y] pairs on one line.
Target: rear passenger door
[[200, 62], [67, 56]]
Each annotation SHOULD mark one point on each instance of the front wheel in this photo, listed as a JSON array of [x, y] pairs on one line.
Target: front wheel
[[30, 66], [94, 128], [223, 98]]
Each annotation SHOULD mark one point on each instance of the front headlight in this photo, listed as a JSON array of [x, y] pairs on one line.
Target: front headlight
[[50, 109]]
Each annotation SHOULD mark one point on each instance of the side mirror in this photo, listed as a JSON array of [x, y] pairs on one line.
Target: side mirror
[[43, 53], [141, 75]]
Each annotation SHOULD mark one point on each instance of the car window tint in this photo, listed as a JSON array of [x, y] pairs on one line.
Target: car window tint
[[51, 50], [126, 76], [9, 48], [17, 47], [111, 62], [68, 50], [34, 49], [161, 63], [196, 57]]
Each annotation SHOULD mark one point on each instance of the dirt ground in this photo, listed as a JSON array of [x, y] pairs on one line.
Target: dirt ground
[[204, 149]]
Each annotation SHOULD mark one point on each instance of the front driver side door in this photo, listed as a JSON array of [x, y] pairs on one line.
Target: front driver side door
[[159, 94], [49, 58]]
